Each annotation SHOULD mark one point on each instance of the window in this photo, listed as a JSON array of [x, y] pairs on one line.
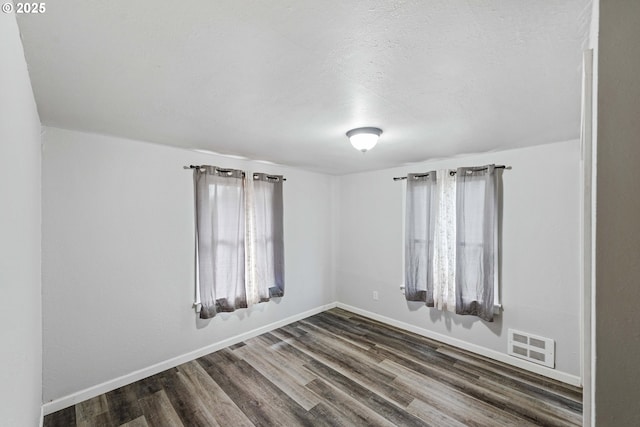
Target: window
[[451, 240], [239, 239]]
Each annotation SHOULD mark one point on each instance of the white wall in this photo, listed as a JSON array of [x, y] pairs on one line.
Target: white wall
[[617, 318], [540, 250], [20, 300], [118, 257], [118, 254]]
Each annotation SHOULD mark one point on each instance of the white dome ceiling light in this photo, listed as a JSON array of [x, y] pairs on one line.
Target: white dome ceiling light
[[364, 139]]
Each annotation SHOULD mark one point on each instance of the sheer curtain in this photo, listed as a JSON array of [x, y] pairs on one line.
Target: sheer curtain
[[253, 294], [444, 265], [419, 235], [220, 239], [476, 240], [267, 238]]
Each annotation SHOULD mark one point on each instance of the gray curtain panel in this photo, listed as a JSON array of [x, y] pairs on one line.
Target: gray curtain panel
[[220, 234], [476, 240], [419, 237], [268, 240]]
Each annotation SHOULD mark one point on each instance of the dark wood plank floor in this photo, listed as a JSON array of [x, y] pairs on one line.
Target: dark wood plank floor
[[339, 369]]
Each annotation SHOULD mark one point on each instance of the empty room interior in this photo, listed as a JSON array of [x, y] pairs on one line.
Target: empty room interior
[[243, 213]]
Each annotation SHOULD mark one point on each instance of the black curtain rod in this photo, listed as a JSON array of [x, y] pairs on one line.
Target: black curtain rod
[[452, 173], [229, 170]]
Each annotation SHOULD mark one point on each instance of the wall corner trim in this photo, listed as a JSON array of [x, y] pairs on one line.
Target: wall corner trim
[[482, 351], [88, 393]]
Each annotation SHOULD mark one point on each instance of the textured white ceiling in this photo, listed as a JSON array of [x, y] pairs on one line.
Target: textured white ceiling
[[284, 80]]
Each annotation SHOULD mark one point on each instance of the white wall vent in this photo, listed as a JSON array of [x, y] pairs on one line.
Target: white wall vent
[[532, 348]]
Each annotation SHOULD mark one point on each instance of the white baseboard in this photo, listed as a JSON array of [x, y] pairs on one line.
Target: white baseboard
[[483, 351], [82, 395], [110, 385]]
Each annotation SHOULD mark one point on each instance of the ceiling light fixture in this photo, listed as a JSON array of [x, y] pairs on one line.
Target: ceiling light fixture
[[364, 139]]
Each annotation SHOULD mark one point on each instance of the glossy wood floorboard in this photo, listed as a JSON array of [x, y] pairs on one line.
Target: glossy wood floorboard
[[334, 369]]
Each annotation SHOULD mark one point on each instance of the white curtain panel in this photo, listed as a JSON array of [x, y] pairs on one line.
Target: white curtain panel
[[444, 263], [476, 240], [253, 294], [419, 237], [220, 235], [267, 236]]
